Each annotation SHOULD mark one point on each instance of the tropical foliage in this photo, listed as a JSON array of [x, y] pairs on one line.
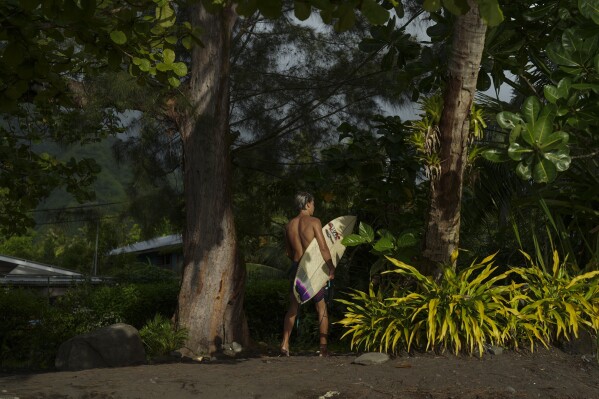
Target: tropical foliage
[[160, 336], [472, 308]]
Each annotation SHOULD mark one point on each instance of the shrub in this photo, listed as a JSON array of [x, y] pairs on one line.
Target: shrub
[[459, 309], [471, 308], [266, 302], [549, 305], [160, 336]]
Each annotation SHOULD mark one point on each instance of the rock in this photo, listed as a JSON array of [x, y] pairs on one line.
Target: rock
[[372, 358], [113, 346], [495, 350]]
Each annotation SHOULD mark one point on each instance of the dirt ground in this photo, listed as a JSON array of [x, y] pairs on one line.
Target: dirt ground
[[543, 374]]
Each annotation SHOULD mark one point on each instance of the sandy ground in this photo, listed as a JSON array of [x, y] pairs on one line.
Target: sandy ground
[[543, 374]]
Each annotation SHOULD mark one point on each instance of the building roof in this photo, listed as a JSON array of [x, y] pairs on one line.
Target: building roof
[[155, 244], [17, 271]]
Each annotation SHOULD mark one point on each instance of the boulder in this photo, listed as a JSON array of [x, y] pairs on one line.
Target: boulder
[[372, 358], [113, 346]]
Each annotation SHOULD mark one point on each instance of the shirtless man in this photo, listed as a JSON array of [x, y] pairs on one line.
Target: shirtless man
[[299, 232]]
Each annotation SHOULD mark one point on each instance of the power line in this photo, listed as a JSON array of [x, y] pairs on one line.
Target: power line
[[77, 207]]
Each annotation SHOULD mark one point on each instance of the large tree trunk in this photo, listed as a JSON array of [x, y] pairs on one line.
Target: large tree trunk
[[443, 229], [211, 297]]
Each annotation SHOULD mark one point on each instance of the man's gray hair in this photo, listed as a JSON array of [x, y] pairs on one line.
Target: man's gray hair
[[302, 199]]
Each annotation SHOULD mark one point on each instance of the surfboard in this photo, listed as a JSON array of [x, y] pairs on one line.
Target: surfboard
[[312, 271]]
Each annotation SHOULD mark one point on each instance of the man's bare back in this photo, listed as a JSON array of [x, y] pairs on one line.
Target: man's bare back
[[299, 233]]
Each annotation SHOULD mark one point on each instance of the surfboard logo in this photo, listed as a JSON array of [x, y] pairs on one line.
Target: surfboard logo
[[333, 232]]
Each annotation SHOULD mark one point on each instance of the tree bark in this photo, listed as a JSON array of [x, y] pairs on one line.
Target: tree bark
[[443, 228], [211, 297]]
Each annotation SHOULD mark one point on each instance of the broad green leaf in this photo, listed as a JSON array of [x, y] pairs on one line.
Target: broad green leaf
[[508, 120], [515, 133], [180, 68], [171, 40], [554, 141], [558, 55], [166, 16], [366, 232], [352, 240], [302, 10], [118, 37], [551, 93], [374, 12], [270, 8], [406, 240], [571, 41], [495, 155], [530, 109], [491, 12], [383, 245], [346, 19], [174, 82], [563, 87], [168, 56], [586, 86], [544, 171], [144, 65], [432, 5], [528, 134], [187, 42], [542, 129], [162, 67], [590, 9], [247, 8], [457, 7], [524, 171], [561, 159]]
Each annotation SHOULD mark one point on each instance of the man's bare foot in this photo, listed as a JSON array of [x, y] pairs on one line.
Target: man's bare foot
[[324, 351], [284, 352]]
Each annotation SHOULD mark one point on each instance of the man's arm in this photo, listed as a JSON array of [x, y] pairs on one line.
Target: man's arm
[[324, 249]]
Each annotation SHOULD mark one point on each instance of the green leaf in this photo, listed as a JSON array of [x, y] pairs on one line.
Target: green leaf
[[144, 65], [571, 41], [508, 120], [247, 8], [531, 109], [491, 12], [163, 67], [174, 82], [561, 159], [558, 55], [551, 93], [544, 171], [270, 8], [457, 7], [406, 240], [542, 129], [171, 40], [527, 134], [187, 42], [563, 87], [180, 68], [346, 19], [517, 152], [524, 171], [352, 240], [166, 16], [590, 9], [375, 13], [385, 244], [432, 5], [118, 36], [495, 155], [554, 141], [302, 10], [366, 231], [168, 56]]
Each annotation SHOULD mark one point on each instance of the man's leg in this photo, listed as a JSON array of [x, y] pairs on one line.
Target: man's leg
[[288, 323], [323, 325]]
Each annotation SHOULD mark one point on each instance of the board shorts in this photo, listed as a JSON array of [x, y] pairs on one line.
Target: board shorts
[[291, 274]]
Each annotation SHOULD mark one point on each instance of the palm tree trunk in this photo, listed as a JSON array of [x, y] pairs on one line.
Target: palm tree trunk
[[443, 229]]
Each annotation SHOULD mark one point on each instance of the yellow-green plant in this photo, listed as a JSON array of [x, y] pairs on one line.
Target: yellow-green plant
[[457, 311], [552, 303], [374, 322], [160, 336]]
